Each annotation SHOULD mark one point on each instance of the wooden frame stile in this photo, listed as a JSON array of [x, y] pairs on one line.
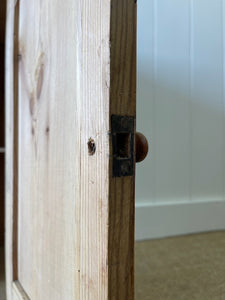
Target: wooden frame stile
[[108, 201], [121, 190], [13, 288]]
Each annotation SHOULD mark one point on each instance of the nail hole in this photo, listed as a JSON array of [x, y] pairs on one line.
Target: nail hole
[[91, 146]]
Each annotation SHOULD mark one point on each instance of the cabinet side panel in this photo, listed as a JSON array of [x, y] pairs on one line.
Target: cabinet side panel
[[48, 148], [64, 72]]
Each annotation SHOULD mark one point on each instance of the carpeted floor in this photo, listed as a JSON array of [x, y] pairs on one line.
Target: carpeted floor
[[181, 268]]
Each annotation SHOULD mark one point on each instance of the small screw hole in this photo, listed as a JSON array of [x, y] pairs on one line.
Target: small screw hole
[[91, 146]]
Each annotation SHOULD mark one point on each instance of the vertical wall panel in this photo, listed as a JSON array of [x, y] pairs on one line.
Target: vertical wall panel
[[181, 99], [171, 109], [146, 34], [207, 101]]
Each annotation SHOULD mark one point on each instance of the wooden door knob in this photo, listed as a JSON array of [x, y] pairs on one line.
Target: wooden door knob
[[141, 147]]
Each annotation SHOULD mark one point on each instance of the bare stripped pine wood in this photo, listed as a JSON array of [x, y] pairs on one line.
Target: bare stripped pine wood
[[70, 224], [48, 154], [62, 232], [94, 179]]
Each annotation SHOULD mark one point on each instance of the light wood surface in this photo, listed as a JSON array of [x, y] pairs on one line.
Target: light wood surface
[[56, 94], [70, 225]]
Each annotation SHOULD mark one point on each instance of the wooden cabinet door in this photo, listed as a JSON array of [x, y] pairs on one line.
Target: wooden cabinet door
[[70, 122]]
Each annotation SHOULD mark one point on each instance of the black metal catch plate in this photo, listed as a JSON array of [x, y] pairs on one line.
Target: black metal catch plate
[[122, 128]]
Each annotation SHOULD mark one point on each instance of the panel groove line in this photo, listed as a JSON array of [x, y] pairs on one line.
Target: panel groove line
[[181, 99]]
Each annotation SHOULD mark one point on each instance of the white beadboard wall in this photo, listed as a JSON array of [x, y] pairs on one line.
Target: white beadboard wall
[[181, 109]]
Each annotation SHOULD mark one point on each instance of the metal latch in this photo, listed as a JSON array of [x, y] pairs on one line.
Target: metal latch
[[122, 128]]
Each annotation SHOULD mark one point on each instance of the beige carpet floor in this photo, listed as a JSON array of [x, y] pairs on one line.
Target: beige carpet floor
[[180, 268]]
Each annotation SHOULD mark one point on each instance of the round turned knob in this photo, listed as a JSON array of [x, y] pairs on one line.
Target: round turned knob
[[141, 146]]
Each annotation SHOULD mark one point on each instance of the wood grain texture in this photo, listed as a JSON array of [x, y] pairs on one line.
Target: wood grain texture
[[70, 225], [121, 190], [47, 152]]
